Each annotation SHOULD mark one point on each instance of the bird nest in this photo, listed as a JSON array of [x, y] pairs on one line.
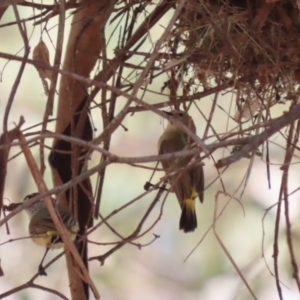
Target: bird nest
[[253, 45]]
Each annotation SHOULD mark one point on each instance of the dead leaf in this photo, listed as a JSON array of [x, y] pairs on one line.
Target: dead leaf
[[41, 53]]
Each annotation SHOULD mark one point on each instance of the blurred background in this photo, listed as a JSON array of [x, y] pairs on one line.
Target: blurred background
[[176, 265]]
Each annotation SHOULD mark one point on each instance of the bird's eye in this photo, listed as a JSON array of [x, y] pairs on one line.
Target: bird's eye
[[181, 114]]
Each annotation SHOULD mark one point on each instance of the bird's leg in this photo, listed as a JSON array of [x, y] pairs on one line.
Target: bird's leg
[[42, 271]]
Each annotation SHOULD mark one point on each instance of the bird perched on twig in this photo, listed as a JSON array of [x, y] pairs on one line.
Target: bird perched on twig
[[189, 182], [42, 229]]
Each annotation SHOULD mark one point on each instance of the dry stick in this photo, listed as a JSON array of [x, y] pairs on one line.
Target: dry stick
[[278, 214], [263, 238], [114, 212], [102, 258], [129, 239], [105, 121], [226, 251], [268, 164], [161, 189], [5, 135], [5, 140], [58, 224], [104, 220], [131, 242], [20, 73], [289, 155], [211, 114], [55, 292], [32, 285], [257, 140]]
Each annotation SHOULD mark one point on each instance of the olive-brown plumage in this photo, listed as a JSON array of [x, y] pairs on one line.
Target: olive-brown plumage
[[42, 228], [188, 183]]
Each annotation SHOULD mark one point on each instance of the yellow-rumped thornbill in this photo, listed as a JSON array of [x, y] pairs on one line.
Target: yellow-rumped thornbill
[[190, 182], [42, 229]]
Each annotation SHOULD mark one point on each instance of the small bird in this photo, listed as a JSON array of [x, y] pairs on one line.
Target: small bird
[[42, 229], [190, 182]]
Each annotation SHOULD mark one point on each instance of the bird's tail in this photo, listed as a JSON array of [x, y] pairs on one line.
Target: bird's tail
[[188, 219]]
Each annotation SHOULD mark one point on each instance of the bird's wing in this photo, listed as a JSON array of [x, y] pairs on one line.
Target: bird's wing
[[181, 183], [41, 222], [169, 146], [66, 216], [198, 181]]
